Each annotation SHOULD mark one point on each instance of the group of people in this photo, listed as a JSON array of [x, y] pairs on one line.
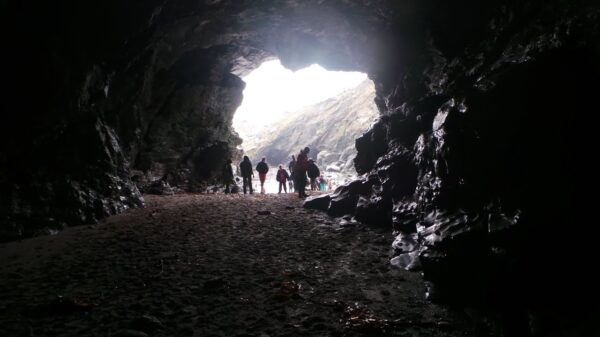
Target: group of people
[[301, 169]]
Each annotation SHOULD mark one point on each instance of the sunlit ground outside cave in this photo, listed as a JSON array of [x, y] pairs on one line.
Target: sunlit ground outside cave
[[284, 111]]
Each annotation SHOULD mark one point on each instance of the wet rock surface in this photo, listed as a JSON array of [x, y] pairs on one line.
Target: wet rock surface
[[320, 202], [210, 265], [41, 203]]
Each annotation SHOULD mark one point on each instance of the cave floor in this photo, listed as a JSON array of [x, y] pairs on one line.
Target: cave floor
[[210, 265]]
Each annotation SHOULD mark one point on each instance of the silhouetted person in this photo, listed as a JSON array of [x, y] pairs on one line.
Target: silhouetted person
[[313, 173], [282, 177], [292, 167], [292, 164], [227, 175], [247, 174], [262, 168], [300, 172]]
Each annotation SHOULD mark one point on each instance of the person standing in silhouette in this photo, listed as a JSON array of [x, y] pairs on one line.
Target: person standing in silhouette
[[247, 174], [300, 172], [313, 173], [282, 177], [292, 167], [227, 175], [262, 168]]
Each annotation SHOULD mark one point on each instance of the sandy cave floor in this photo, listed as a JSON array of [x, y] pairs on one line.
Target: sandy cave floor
[[210, 265]]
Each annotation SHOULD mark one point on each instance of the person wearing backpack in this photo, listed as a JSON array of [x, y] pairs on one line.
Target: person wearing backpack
[[313, 173], [262, 168], [300, 172]]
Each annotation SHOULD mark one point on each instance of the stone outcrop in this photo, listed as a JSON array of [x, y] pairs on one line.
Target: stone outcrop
[[320, 202], [486, 141]]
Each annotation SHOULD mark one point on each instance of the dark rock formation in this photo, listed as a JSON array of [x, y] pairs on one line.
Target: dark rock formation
[[344, 199], [375, 210], [482, 148], [160, 187], [320, 202], [488, 141], [41, 196]]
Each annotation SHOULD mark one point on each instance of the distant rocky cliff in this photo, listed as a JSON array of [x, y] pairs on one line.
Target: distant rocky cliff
[[329, 128]]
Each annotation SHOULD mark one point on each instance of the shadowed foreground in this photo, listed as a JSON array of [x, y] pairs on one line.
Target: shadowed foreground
[[211, 265]]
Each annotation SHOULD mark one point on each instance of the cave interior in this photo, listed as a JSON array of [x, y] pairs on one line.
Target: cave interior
[[476, 151]]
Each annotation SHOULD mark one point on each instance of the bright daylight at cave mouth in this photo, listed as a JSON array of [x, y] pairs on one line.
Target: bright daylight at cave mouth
[[283, 111]]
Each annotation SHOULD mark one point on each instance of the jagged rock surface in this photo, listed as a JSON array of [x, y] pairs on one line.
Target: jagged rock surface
[[488, 143], [320, 202]]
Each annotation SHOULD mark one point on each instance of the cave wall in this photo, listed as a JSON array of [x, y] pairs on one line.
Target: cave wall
[[476, 162]]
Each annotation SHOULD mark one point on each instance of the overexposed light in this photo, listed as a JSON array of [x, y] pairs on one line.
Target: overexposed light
[[272, 91]]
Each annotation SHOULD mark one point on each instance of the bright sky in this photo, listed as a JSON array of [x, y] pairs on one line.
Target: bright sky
[[271, 91]]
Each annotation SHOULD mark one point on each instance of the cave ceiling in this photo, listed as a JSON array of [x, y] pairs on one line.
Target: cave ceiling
[[339, 35]]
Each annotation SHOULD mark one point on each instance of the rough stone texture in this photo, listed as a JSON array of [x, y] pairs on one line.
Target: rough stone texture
[[320, 202], [485, 118], [40, 198], [160, 187], [488, 139], [344, 199], [375, 210]]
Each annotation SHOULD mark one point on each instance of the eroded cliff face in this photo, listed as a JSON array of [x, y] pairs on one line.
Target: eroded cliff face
[[479, 159], [475, 164], [329, 128]]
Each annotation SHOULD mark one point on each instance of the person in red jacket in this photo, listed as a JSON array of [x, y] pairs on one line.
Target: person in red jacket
[[282, 177], [262, 169], [300, 172]]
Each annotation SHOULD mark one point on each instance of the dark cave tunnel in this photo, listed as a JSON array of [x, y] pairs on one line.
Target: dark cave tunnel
[[482, 154]]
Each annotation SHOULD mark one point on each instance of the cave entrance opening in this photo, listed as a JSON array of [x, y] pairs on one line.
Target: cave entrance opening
[[284, 111]]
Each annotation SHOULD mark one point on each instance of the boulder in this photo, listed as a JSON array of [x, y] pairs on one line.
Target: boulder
[[342, 204], [159, 187], [320, 202], [376, 210], [404, 217], [409, 261]]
